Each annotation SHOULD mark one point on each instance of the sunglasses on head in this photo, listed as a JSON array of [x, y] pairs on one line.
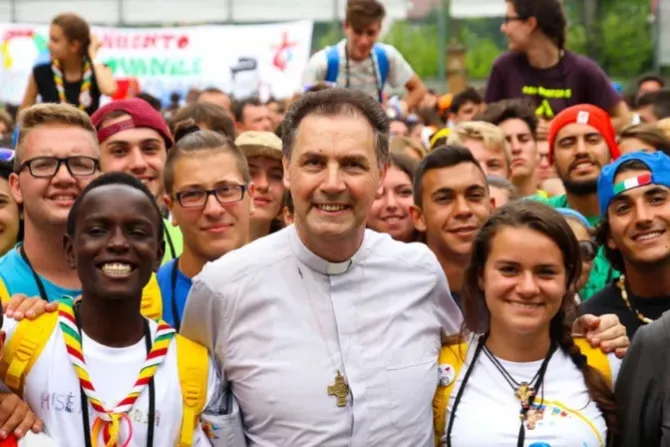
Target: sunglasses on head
[[6, 154], [328, 84], [589, 250]]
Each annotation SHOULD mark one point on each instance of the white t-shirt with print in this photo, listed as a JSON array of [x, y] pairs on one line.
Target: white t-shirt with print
[[488, 413], [361, 73], [52, 390], [37, 440]]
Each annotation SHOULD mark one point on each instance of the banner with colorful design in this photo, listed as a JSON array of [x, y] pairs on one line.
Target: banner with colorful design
[[241, 59]]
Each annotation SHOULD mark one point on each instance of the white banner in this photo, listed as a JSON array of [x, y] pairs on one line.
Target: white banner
[[239, 59], [474, 9]]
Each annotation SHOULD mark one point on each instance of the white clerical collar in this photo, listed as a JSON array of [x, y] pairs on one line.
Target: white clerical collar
[[317, 263]]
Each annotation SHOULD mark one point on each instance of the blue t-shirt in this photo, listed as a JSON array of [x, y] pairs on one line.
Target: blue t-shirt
[[18, 278], [181, 289]]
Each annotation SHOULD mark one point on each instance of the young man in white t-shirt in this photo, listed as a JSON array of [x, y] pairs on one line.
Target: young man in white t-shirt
[[361, 63], [30, 439], [122, 369]]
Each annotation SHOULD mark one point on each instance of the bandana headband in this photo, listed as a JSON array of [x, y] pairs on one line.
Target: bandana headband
[[113, 129], [633, 182]]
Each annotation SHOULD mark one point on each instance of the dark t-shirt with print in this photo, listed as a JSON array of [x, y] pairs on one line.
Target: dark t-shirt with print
[[609, 301], [574, 80]]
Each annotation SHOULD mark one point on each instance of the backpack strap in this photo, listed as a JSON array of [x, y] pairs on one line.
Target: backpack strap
[[333, 67], [382, 63], [4, 293], [596, 358], [193, 365], [449, 366], [152, 303], [24, 348]]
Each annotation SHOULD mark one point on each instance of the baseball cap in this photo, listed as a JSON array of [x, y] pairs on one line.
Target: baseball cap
[[659, 167], [584, 114], [141, 115], [256, 143], [569, 212]]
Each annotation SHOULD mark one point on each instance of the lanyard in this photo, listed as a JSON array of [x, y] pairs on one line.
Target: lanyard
[[173, 252], [38, 280], [173, 285], [521, 437], [380, 88], [152, 395]]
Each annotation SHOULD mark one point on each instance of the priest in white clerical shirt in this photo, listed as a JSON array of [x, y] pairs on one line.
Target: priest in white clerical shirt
[[328, 333]]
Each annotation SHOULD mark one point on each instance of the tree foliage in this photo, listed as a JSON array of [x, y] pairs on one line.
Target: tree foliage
[[622, 33]]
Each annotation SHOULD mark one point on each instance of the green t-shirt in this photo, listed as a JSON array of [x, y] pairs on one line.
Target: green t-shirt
[[602, 272], [174, 242]]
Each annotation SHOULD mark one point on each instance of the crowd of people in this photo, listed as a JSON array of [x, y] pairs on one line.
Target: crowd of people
[[341, 268]]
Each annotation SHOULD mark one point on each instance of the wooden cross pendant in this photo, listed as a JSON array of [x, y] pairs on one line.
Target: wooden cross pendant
[[525, 393], [340, 390]]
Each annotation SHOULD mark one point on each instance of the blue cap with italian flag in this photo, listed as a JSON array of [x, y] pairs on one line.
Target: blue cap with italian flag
[[659, 174]]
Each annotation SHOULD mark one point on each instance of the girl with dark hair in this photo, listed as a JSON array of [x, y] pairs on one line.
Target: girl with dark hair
[[391, 210], [72, 75], [10, 216], [539, 67], [524, 379]]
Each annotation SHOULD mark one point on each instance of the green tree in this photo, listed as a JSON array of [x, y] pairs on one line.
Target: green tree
[[621, 32], [419, 44], [627, 48]]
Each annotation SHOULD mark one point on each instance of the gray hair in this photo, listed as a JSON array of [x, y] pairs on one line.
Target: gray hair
[[338, 102]]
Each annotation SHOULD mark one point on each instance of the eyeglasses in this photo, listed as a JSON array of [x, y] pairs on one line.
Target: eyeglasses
[[328, 84], [508, 19], [6, 154], [47, 167], [224, 194], [589, 250]]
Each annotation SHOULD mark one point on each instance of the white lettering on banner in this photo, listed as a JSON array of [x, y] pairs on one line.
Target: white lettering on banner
[[235, 58]]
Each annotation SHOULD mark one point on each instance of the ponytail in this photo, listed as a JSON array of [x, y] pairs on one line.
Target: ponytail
[[598, 387]]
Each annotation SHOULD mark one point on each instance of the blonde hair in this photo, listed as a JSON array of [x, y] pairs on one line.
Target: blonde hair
[[664, 125], [491, 135], [398, 145], [45, 114]]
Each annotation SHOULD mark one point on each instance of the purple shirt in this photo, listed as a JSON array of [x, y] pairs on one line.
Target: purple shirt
[[574, 80]]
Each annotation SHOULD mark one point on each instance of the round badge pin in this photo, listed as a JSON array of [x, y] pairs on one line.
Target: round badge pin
[[85, 99], [445, 374]]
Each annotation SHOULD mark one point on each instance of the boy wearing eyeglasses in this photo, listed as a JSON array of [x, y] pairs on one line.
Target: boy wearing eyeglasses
[[56, 157], [210, 198]]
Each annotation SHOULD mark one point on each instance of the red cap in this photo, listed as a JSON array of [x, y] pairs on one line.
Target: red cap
[[141, 115], [585, 114]]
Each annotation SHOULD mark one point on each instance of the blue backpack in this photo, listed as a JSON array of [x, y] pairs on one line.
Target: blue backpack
[[380, 57]]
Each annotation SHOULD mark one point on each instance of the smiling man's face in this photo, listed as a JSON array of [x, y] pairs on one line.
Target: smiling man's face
[[137, 151]]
